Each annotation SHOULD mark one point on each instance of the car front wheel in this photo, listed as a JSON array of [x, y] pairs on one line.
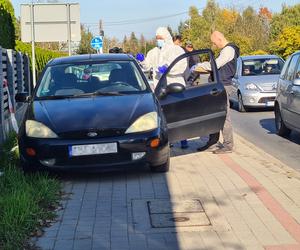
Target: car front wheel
[[281, 129]]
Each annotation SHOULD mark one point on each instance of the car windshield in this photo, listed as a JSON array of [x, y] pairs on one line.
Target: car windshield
[[262, 66], [105, 78]]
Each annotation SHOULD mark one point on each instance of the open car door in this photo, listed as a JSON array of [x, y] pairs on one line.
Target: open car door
[[197, 109]]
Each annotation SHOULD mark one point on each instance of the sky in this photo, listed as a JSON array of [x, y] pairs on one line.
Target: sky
[[154, 13]]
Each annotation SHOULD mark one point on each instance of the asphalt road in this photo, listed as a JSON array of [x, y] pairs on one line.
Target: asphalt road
[[258, 127]]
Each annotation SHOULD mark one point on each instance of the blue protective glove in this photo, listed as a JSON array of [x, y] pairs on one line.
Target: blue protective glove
[[140, 57], [162, 69]]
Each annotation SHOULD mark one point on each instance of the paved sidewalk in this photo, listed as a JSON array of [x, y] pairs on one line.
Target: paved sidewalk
[[244, 200]]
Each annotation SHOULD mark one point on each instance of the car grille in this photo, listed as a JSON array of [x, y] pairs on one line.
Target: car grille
[[266, 99], [268, 87], [103, 133], [94, 160]]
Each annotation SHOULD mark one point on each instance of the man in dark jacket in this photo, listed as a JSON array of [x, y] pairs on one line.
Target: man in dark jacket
[[226, 64]]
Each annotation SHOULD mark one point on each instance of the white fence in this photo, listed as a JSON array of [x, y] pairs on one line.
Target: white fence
[[14, 68]]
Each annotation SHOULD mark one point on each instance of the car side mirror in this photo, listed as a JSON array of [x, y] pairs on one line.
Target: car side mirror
[[22, 97], [297, 82], [175, 88]]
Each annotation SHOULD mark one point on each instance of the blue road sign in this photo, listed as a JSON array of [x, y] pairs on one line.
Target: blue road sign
[[97, 43]]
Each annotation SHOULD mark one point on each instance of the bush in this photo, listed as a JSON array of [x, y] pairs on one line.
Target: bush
[[7, 25], [42, 56]]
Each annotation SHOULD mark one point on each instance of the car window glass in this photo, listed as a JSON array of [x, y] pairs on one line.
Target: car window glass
[[181, 72], [285, 68], [297, 75], [262, 66], [292, 68], [75, 79]]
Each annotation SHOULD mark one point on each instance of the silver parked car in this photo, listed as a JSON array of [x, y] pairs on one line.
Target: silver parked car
[[287, 103], [255, 81]]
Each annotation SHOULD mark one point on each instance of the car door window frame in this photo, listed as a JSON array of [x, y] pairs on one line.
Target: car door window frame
[[213, 64], [290, 77], [285, 68], [297, 69]]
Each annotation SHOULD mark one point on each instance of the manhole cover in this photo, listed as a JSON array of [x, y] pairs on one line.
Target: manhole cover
[[185, 213], [179, 220]]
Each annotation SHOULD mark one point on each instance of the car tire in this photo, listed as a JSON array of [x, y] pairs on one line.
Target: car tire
[[241, 107], [231, 104], [161, 168], [281, 128]]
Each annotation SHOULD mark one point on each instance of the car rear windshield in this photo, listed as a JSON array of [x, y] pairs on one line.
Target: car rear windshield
[[262, 66], [81, 79]]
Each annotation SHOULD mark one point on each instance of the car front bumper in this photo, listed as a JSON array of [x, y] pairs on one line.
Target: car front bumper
[[258, 99], [58, 150]]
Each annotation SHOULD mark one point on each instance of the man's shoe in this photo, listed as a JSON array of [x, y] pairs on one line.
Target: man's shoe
[[224, 150], [207, 147]]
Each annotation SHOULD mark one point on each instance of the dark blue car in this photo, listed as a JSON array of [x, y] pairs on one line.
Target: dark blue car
[[98, 111]]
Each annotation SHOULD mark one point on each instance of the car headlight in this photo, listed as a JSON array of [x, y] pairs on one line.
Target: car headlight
[[146, 122], [38, 130], [251, 86]]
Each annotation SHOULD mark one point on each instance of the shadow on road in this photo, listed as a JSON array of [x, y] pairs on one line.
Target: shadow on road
[[269, 125]]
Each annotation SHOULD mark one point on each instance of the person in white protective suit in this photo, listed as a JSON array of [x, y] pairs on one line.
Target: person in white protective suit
[[163, 55]]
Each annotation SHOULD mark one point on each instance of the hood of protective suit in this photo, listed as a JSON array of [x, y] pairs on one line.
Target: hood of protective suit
[[163, 31]]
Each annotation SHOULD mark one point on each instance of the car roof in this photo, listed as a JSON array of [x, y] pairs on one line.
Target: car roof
[[91, 58], [258, 57]]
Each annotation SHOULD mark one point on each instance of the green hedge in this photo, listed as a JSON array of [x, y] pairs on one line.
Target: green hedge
[[42, 56], [7, 25]]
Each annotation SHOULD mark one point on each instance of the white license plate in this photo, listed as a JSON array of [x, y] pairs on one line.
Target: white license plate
[[93, 149], [270, 104]]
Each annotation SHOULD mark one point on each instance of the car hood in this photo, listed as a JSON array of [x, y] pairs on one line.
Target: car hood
[[92, 113], [265, 82]]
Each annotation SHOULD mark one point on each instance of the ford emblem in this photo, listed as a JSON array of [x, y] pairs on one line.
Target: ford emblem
[[92, 134]]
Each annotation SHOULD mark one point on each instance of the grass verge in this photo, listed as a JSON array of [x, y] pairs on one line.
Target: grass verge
[[25, 200]]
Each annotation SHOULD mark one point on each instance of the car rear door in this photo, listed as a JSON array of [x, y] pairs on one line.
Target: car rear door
[[289, 91], [198, 110]]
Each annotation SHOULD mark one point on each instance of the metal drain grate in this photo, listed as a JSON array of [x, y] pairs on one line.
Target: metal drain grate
[[184, 213]]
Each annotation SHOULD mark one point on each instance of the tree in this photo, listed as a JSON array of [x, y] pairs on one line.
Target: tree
[[133, 43], [289, 16], [125, 44], [142, 44], [7, 25], [85, 43], [288, 41]]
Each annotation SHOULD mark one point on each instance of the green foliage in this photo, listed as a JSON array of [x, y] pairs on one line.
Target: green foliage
[[258, 52], [24, 199], [289, 16], [42, 56], [85, 43], [7, 25], [249, 29], [288, 41]]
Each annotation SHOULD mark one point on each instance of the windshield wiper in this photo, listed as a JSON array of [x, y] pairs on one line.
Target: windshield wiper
[[99, 93], [54, 97]]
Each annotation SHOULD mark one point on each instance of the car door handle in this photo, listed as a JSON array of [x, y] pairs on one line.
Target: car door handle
[[215, 92]]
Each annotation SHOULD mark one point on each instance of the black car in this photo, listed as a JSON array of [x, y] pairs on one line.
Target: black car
[[98, 111]]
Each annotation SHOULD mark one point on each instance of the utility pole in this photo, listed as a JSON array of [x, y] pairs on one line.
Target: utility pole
[[32, 46], [101, 33], [69, 28]]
